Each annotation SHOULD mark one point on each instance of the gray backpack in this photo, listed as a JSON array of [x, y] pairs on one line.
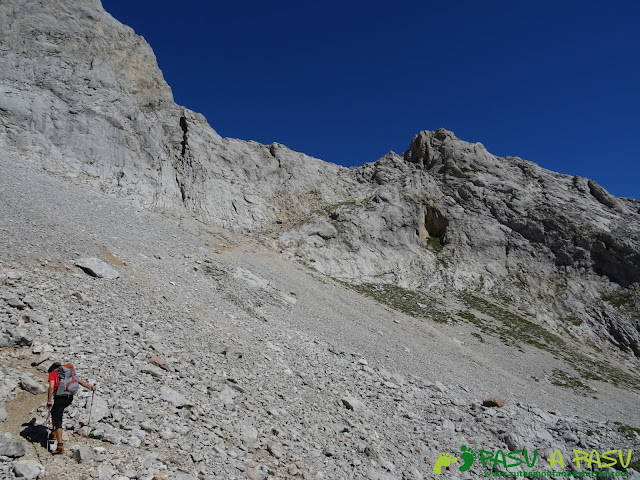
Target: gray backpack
[[68, 382]]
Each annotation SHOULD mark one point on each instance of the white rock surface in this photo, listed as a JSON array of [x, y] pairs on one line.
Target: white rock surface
[[28, 469], [97, 268]]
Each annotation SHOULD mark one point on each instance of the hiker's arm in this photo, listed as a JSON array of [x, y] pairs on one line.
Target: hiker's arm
[[50, 393], [87, 386]]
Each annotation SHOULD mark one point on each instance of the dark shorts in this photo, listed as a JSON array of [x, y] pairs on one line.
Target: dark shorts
[[59, 404]]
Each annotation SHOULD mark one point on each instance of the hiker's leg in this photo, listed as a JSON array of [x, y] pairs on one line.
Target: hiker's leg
[[59, 404], [56, 415]]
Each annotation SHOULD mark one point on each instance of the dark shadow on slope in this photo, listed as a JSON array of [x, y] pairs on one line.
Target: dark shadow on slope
[[35, 433]]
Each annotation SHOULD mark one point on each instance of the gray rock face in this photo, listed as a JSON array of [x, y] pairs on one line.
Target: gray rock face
[[97, 268], [444, 215]]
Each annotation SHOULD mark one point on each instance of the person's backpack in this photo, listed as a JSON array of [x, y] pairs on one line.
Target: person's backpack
[[68, 382]]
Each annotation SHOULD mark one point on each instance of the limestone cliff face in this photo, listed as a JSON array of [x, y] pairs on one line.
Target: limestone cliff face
[[82, 94], [449, 215]]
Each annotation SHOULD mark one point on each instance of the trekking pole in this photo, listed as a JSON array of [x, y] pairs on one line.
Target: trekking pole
[[49, 430], [91, 408]]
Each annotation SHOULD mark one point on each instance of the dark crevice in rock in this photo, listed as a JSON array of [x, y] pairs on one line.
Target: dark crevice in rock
[[616, 260], [435, 223], [625, 341], [183, 125], [182, 189]]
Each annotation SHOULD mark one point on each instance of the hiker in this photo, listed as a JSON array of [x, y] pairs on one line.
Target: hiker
[[62, 385]]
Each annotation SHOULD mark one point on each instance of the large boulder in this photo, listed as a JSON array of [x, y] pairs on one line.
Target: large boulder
[[28, 469], [97, 268], [11, 448]]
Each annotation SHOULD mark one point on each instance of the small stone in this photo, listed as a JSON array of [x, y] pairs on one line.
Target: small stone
[[15, 302], [159, 362], [248, 435], [43, 357], [439, 386], [351, 403], [149, 460], [14, 276], [329, 451], [20, 338], [171, 396], [498, 402], [30, 301], [293, 469], [513, 441], [275, 450], [152, 370], [570, 438], [37, 318], [83, 454], [197, 457]]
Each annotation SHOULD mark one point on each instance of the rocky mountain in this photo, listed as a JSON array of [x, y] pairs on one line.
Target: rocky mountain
[[440, 242], [82, 95]]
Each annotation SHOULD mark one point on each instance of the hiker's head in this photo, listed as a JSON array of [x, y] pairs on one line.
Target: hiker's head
[[54, 366]]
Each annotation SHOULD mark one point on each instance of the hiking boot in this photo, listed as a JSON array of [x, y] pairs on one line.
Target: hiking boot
[[58, 450]]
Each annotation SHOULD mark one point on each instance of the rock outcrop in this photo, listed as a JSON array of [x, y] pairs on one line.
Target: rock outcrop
[[82, 95]]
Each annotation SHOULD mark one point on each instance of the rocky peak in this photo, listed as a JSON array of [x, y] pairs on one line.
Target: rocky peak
[[83, 96]]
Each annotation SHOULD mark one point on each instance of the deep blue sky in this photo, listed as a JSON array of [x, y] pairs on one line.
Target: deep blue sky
[[557, 83]]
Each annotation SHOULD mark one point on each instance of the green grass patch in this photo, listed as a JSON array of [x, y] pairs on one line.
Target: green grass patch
[[214, 272], [434, 244], [511, 328], [632, 433], [478, 336], [347, 206], [618, 300], [563, 379], [515, 330], [410, 302], [572, 320]]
